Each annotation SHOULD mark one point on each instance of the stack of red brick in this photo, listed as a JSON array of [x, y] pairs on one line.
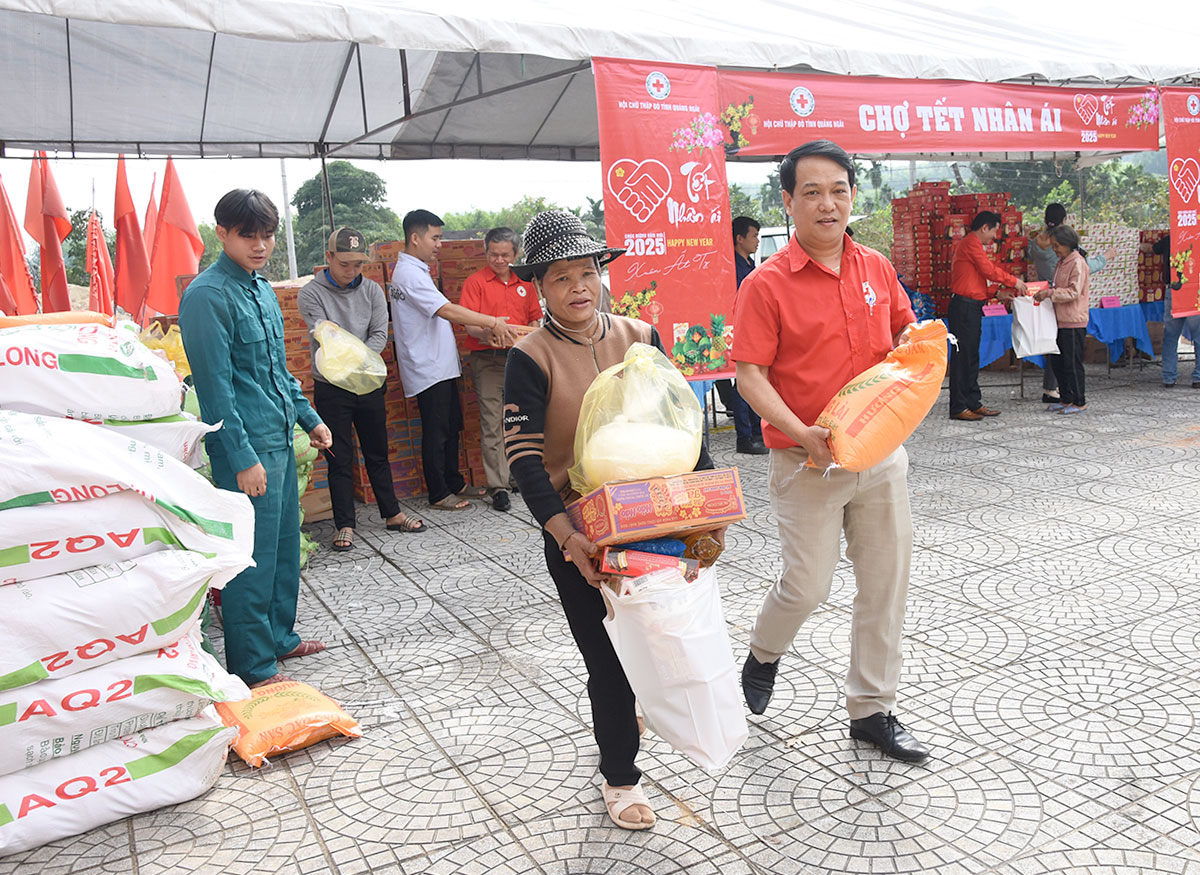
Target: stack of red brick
[[927, 224], [459, 259]]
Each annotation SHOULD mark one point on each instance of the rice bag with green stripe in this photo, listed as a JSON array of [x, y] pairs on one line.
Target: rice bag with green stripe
[[59, 717], [86, 371], [45, 460], [145, 770], [61, 625], [180, 435]]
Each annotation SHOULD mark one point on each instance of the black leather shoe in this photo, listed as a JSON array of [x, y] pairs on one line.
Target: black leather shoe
[[752, 448], [889, 735], [500, 500], [758, 682]]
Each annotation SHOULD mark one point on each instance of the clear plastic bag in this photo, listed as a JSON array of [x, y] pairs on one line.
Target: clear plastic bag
[[347, 362], [639, 419]]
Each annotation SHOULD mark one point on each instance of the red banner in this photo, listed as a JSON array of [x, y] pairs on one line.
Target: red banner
[[667, 202], [772, 113], [1181, 120]]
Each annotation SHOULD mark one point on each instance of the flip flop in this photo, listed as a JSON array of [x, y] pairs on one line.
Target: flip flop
[[304, 648], [472, 492], [619, 801], [408, 524], [450, 502], [345, 538]]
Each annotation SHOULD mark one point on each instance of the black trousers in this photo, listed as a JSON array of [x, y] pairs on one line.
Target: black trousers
[[1068, 365], [367, 416], [614, 720], [441, 421], [966, 324]]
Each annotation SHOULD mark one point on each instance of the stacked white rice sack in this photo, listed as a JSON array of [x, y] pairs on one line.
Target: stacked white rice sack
[[108, 547]]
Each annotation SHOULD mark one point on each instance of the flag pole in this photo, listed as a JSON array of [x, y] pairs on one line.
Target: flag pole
[[287, 223]]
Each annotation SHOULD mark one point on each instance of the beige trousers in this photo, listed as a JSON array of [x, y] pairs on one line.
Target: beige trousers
[[487, 371], [812, 510]]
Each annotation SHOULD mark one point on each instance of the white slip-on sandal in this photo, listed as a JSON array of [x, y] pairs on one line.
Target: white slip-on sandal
[[618, 801]]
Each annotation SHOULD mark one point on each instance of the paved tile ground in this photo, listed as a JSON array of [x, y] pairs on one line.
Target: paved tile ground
[[1051, 645]]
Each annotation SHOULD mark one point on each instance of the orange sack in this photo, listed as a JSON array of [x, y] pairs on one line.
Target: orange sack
[[283, 717], [65, 317], [875, 412]]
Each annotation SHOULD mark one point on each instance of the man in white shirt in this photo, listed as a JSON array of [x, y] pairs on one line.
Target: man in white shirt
[[427, 357]]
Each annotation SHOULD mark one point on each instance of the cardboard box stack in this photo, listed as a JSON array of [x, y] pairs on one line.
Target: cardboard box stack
[[928, 223], [1150, 268], [1120, 275]]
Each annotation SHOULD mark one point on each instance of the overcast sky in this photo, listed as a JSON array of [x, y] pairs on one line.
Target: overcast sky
[[444, 186]]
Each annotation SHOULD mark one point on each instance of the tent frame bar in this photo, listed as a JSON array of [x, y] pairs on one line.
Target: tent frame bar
[[537, 80]]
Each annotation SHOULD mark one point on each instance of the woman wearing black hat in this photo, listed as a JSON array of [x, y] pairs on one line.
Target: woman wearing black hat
[[547, 375]]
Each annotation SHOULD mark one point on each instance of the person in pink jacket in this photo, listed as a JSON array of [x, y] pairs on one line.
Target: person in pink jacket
[[1069, 292]]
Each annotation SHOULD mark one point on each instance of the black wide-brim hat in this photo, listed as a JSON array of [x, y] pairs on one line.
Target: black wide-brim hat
[[555, 235]]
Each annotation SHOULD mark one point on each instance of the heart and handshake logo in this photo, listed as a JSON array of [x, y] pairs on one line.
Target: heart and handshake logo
[[639, 187], [1086, 107], [1185, 176]]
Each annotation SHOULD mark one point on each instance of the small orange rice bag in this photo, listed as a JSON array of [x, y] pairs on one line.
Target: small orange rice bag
[[875, 412], [284, 717]]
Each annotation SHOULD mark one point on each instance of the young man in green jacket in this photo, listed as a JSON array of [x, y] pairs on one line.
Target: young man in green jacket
[[233, 334]]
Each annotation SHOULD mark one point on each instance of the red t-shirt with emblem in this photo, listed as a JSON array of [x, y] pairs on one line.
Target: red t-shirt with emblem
[[815, 329], [484, 292]]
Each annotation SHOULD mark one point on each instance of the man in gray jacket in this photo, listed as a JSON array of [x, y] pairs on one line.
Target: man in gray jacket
[[341, 294]]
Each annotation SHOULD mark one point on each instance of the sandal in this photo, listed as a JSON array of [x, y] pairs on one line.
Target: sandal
[[450, 502], [619, 801], [406, 524], [273, 679], [304, 648], [343, 540], [472, 492]]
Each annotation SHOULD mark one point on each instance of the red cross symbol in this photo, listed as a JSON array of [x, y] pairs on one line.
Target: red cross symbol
[[657, 84], [803, 101]]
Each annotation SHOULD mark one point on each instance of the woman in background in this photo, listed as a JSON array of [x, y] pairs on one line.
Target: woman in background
[[1069, 292]]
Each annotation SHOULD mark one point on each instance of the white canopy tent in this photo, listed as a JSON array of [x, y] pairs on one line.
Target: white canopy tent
[[473, 79]]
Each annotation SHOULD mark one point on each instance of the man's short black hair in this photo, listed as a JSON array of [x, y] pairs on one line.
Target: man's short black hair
[[818, 149], [501, 235], [1056, 214], [246, 210], [418, 220], [742, 226], [985, 219]]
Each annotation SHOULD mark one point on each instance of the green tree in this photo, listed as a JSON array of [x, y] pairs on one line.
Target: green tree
[[358, 201], [75, 248], [593, 216], [212, 246]]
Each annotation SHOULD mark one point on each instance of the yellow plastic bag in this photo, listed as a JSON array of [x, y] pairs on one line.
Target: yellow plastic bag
[[347, 362], [875, 412], [171, 343], [639, 419], [283, 717]]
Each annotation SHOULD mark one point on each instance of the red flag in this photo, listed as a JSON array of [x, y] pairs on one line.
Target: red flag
[[8, 306], [177, 245], [13, 270], [150, 222], [47, 222], [100, 267], [133, 261]]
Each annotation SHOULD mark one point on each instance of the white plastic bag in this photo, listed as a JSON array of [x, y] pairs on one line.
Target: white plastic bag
[[48, 539], [671, 639], [86, 372], [1034, 328], [47, 460], [140, 772], [347, 362], [61, 716], [180, 435], [62, 625]]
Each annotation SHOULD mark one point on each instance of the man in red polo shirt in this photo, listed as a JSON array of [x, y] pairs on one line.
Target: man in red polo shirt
[[970, 270], [496, 291], [817, 313]]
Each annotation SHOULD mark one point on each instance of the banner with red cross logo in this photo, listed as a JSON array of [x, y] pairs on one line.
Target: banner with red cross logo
[[666, 201], [1181, 121]]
